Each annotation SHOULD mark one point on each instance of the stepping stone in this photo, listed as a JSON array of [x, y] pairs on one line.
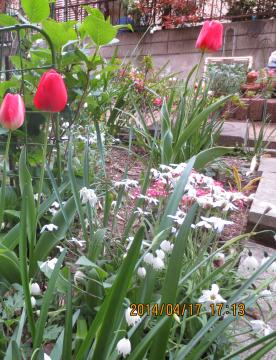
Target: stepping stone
[[234, 133], [268, 164], [265, 202]]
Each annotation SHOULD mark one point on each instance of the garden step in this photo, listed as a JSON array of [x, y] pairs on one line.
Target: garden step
[[253, 110], [263, 208], [234, 133]]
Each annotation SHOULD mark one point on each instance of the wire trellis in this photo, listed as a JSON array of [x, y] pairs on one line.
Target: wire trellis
[[11, 43]]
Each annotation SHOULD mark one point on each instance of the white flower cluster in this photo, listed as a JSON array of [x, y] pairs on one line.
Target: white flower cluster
[[88, 195], [126, 183], [157, 261], [213, 222], [203, 189], [92, 138], [250, 264], [35, 291]]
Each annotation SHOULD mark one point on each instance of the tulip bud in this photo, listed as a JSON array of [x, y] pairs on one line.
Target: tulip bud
[[12, 111], [51, 94], [210, 36]]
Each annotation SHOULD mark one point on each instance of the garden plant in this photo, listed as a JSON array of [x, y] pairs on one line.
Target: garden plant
[[75, 281]]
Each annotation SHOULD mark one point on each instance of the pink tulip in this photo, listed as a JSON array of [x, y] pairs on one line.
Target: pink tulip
[[12, 111], [210, 36]]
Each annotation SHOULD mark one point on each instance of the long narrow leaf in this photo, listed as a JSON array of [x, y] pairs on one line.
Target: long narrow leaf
[[47, 298]]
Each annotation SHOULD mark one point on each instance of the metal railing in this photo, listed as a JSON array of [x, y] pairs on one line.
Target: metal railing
[[167, 13], [65, 10]]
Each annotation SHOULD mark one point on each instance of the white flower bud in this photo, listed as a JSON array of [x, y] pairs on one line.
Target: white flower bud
[[158, 264], [166, 246], [148, 259], [160, 254], [142, 272], [35, 289]]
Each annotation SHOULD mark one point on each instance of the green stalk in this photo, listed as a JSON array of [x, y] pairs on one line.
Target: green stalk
[[44, 155], [58, 150], [23, 261], [100, 145], [3, 187]]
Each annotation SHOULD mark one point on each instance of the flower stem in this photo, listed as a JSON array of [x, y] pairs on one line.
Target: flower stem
[[3, 185], [58, 150], [44, 155]]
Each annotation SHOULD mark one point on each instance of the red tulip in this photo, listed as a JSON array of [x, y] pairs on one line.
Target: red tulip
[[210, 36], [51, 94], [12, 111]]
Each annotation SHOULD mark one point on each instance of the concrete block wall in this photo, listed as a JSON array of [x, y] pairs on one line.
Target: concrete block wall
[[256, 38]]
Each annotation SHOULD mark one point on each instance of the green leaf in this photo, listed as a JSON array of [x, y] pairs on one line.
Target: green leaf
[[60, 32], [99, 30], [9, 268], [47, 298], [10, 240], [170, 286], [56, 353], [37, 10], [196, 123], [23, 259], [208, 155], [139, 352], [111, 307], [7, 20], [17, 335], [6, 85], [174, 200], [94, 11], [75, 191], [84, 261], [49, 239], [15, 351], [67, 341], [25, 182]]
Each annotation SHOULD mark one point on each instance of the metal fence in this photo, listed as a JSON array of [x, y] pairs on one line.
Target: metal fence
[[168, 13], [65, 10]]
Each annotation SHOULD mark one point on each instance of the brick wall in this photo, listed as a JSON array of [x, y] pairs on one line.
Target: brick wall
[[256, 38]]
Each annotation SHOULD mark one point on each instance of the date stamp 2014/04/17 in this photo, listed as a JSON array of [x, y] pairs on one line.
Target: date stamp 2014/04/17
[[186, 309]]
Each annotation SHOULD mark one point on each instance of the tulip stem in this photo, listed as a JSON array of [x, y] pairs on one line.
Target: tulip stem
[[3, 185], [58, 150], [44, 155]]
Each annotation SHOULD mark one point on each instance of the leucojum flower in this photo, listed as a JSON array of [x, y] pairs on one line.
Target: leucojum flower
[[124, 347], [212, 296], [88, 195], [131, 319]]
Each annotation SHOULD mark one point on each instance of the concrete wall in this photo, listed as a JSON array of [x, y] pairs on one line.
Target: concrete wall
[[256, 38]]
